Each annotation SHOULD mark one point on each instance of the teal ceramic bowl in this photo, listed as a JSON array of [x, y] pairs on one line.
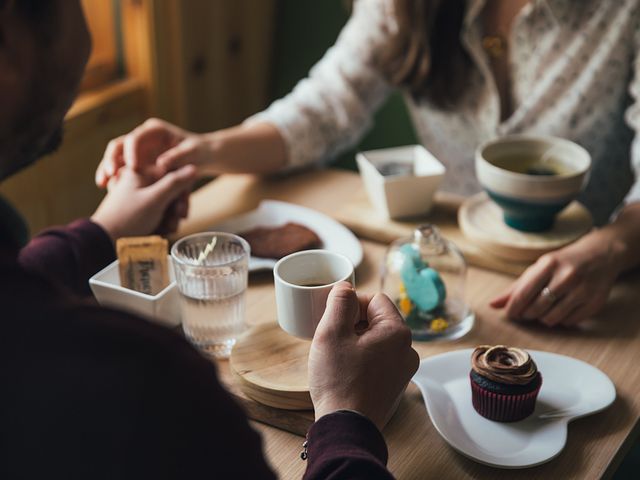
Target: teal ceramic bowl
[[532, 178]]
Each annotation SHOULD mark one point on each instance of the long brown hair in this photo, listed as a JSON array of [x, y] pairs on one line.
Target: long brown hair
[[425, 55]]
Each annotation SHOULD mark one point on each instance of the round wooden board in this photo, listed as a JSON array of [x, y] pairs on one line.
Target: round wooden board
[[481, 221], [271, 367]]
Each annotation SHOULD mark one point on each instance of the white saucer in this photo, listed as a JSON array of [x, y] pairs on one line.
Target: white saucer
[[271, 213], [570, 389]]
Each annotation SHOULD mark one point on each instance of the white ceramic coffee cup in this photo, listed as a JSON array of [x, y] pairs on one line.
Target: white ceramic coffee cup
[[303, 281]]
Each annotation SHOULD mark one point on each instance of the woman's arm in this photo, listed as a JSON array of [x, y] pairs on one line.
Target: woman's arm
[[257, 148], [333, 107], [160, 146], [325, 113]]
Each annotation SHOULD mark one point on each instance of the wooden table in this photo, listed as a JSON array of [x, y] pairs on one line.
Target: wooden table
[[611, 342]]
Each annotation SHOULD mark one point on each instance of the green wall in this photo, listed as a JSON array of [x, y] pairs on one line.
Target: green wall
[[305, 30]]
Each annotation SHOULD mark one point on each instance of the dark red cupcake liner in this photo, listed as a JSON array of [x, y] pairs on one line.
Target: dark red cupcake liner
[[502, 407]]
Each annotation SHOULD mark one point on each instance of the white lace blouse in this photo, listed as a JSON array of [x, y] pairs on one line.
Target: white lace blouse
[[575, 74]]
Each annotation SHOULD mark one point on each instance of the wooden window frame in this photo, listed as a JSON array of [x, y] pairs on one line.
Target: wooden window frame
[[103, 66]]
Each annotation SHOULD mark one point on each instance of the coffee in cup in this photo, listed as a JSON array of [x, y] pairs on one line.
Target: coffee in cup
[[303, 281]]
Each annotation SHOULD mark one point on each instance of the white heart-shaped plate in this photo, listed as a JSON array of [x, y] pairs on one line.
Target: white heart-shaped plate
[[570, 389]]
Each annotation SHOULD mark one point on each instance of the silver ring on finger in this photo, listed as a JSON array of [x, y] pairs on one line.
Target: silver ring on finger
[[548, 295]]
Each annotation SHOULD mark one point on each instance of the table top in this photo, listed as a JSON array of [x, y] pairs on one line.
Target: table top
[[611, 342]]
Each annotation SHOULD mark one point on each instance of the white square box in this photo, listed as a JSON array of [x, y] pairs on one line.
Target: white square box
[[164, 307], [398, 196]]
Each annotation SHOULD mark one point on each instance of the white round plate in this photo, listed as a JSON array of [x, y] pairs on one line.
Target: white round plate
[[272, 213], [570, 389]]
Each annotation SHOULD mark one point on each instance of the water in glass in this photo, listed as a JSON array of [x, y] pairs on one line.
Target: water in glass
[[212, 291]]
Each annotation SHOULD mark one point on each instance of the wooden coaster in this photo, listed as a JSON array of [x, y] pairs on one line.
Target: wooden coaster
[[271, 367], [481, 221]]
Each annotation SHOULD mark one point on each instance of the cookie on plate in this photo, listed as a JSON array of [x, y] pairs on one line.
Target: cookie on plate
[[278, 242]]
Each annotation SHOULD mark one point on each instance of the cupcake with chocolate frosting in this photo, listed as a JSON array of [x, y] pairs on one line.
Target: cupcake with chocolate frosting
[[504, 383]]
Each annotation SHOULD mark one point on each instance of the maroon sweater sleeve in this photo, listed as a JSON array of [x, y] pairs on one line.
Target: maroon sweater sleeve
[[346, 445], [70, 255]]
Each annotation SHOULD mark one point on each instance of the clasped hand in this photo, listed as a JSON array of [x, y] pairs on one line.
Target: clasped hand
[[140, 204]]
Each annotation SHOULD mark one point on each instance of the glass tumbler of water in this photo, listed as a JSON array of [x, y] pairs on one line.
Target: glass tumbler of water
[[211, 272]]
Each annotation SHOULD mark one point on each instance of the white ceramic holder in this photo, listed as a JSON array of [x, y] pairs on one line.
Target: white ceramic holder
[[401, 196], [164, 307]]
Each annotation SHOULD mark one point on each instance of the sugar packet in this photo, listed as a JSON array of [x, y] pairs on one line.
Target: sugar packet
[[143, 263]]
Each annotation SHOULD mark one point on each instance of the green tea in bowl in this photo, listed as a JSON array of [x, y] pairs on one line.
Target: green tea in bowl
[[532, 178], [529, 164]]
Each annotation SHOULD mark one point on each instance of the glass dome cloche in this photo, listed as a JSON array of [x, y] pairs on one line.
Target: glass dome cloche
[[425, 277]]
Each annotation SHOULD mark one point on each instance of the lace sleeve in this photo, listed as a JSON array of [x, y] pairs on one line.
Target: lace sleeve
[[332, 108], [633, 119]]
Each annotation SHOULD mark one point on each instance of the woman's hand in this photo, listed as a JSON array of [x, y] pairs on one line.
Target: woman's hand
[[566, 286], [154, 148], [361, 357], [157, 147], [139, 204]]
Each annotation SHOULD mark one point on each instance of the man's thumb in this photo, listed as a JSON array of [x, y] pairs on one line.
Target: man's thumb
[[342, 311]]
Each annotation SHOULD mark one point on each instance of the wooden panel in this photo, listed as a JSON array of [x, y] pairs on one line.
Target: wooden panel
[[170, 90], [225, 58], [153, 44], [205, 63], [60, 187], [140, 55], [103, 63]]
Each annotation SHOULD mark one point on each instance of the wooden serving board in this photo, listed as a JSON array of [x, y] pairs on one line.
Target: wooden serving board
[[360, 216], [481, 220]]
